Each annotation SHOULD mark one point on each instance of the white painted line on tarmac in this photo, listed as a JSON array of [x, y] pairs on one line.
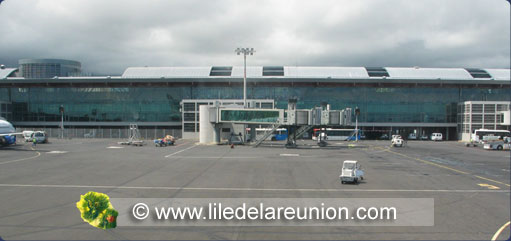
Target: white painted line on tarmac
[[446, 167], [497, 234], [56, 152], [256, 157], [288, 154], [216, 157], [169, 155], [257, 189], [115, 147]]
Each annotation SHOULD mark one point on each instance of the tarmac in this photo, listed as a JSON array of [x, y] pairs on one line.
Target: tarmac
[[39, 187]]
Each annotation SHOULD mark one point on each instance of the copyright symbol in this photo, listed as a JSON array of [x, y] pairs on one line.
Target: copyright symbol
[[140, 211]]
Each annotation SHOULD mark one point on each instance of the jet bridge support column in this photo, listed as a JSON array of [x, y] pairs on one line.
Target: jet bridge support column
[[209, 132]]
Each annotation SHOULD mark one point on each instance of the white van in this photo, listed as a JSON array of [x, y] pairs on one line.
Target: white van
[[40, 137], [28, 135], [436, 136]]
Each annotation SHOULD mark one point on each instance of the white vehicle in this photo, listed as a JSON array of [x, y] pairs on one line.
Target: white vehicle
[[412, 136], [397, 141], [322, 138], [480, 135], [339, 134], [436, 136], [351, 171], [40, 137], [499, 144], [28, 135]]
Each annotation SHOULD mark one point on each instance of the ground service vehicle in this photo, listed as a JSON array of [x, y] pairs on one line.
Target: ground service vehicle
[[167, 141], [497, 145], [28, 135], [339, 134], [436, 136], [40, 137], [412, 136], [351, 171], [397, 141], [504, 144]]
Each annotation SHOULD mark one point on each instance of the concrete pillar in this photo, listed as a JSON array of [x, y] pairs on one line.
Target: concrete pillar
[[208, 132], [253, 133]]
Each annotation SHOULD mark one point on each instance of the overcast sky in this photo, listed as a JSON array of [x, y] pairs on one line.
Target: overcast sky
[[108, 36]]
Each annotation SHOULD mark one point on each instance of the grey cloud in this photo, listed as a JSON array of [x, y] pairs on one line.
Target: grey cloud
[[109, 36]]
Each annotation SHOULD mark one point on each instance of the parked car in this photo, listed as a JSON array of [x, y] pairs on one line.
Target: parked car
[[412, 136], [351, 171], [424, 137], [384, 137], [436, 137]]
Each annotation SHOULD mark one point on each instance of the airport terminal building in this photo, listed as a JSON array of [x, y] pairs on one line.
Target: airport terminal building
[[421, 100]]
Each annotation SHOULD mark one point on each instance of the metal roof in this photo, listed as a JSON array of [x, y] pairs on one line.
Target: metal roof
[[4, 73], [326, 72], [428, 73], [252, 72], [499, 74], [149, 76], [300, 72], [166, 72]]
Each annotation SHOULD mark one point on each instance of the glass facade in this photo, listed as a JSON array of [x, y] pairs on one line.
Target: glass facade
[[161, 104], [49, 68], [255, 116]]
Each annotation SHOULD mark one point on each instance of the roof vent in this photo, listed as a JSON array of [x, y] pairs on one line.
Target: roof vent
[[478, 73], [273, 71], [377, 72], [221, 71]]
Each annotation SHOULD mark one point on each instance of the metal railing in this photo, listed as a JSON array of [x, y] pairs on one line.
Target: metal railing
[[112, 133]]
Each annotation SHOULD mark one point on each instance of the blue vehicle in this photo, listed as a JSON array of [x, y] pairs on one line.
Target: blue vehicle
[[278, 135]]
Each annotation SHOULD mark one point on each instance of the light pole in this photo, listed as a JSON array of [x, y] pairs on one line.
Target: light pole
[[357, 113], [245, 52], [61, 110]]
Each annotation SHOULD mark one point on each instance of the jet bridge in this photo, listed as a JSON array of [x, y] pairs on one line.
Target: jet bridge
[[297, 121]]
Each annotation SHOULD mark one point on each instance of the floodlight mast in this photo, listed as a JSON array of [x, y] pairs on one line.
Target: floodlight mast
[[245, 52]]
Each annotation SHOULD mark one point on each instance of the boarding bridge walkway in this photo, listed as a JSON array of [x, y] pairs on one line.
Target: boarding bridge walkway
[[299, 121]]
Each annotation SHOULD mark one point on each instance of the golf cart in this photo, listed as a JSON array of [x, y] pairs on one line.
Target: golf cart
[[351, 171]]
